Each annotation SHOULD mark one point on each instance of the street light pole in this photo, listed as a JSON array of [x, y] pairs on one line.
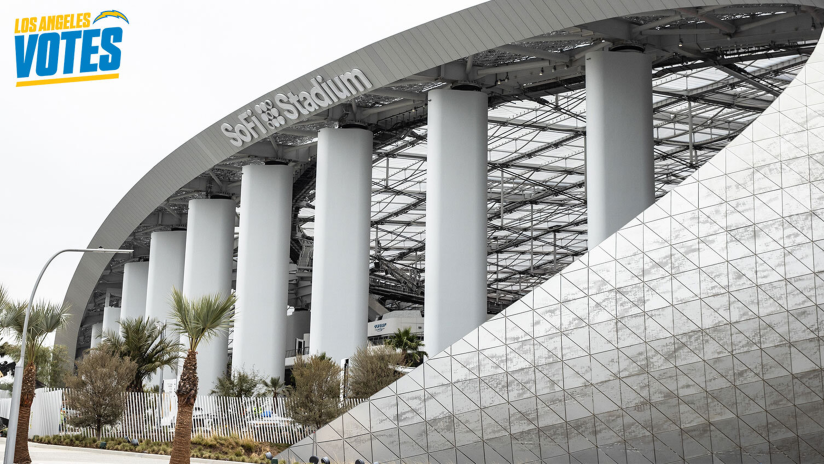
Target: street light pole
[[14, 409], [160, 390]]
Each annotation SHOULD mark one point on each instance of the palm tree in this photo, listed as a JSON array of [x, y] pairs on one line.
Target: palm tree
[[44, 319], [274, 386], [199, 320], [144, 341], [240, 384], [3, 298], [408, 344]]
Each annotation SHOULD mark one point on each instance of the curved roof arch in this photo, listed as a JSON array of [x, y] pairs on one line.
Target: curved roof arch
[[490, 25]]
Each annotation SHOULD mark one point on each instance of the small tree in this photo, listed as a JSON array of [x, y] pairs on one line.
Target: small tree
[[98, 389], [50, 363], [54, 372], [315, 401], [274, 386], [237, 384], [372, 369], [408, 344]]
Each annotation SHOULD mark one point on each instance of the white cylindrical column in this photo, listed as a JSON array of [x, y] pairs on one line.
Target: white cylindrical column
[[456, 192], [263, 270], [97, 330], [166, 260], [111, 320], [619, 146], [208, 270], [340, 268], [135, 281]]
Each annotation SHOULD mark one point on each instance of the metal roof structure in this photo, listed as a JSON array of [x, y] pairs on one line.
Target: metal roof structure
[[715, 69]]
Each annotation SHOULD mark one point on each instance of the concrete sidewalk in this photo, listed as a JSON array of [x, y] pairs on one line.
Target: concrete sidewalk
[[54, 454]]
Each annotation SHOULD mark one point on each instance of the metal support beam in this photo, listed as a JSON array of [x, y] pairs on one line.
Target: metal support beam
[[537, 53], [701, 14], [737, 73]]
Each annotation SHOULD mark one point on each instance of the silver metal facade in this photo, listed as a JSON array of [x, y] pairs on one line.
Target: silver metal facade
[[693, 334]]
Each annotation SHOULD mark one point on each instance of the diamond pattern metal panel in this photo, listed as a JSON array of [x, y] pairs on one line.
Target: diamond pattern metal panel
[[694, 334]]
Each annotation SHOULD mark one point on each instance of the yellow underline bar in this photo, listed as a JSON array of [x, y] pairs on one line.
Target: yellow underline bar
[[66, 80]]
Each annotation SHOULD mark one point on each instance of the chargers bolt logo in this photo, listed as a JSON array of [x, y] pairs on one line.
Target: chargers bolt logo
[[110, 14]]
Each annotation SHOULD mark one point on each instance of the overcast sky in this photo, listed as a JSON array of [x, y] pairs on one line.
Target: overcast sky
[[71, 151]]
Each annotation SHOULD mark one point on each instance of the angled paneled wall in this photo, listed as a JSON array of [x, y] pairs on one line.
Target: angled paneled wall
[[691, 335]]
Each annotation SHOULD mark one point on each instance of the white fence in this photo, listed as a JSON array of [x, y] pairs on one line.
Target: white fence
[[153, 416]]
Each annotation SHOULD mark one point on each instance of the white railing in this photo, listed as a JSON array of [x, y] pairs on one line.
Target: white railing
[[153, 416]]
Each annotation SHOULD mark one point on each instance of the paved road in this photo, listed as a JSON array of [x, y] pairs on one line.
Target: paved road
[[66, 455]]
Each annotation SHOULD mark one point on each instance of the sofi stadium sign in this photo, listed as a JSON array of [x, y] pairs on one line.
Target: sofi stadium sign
[[268, 115]]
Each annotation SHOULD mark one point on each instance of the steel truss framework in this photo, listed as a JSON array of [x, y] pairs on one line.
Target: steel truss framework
[[714, 71]]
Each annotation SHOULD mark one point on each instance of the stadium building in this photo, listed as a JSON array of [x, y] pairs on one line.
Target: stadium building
[[604, 215]]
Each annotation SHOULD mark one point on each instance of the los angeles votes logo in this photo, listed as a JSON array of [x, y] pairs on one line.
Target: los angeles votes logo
[[65, 48]]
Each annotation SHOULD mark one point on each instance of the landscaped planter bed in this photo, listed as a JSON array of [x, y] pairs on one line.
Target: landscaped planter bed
[[221, 448]]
